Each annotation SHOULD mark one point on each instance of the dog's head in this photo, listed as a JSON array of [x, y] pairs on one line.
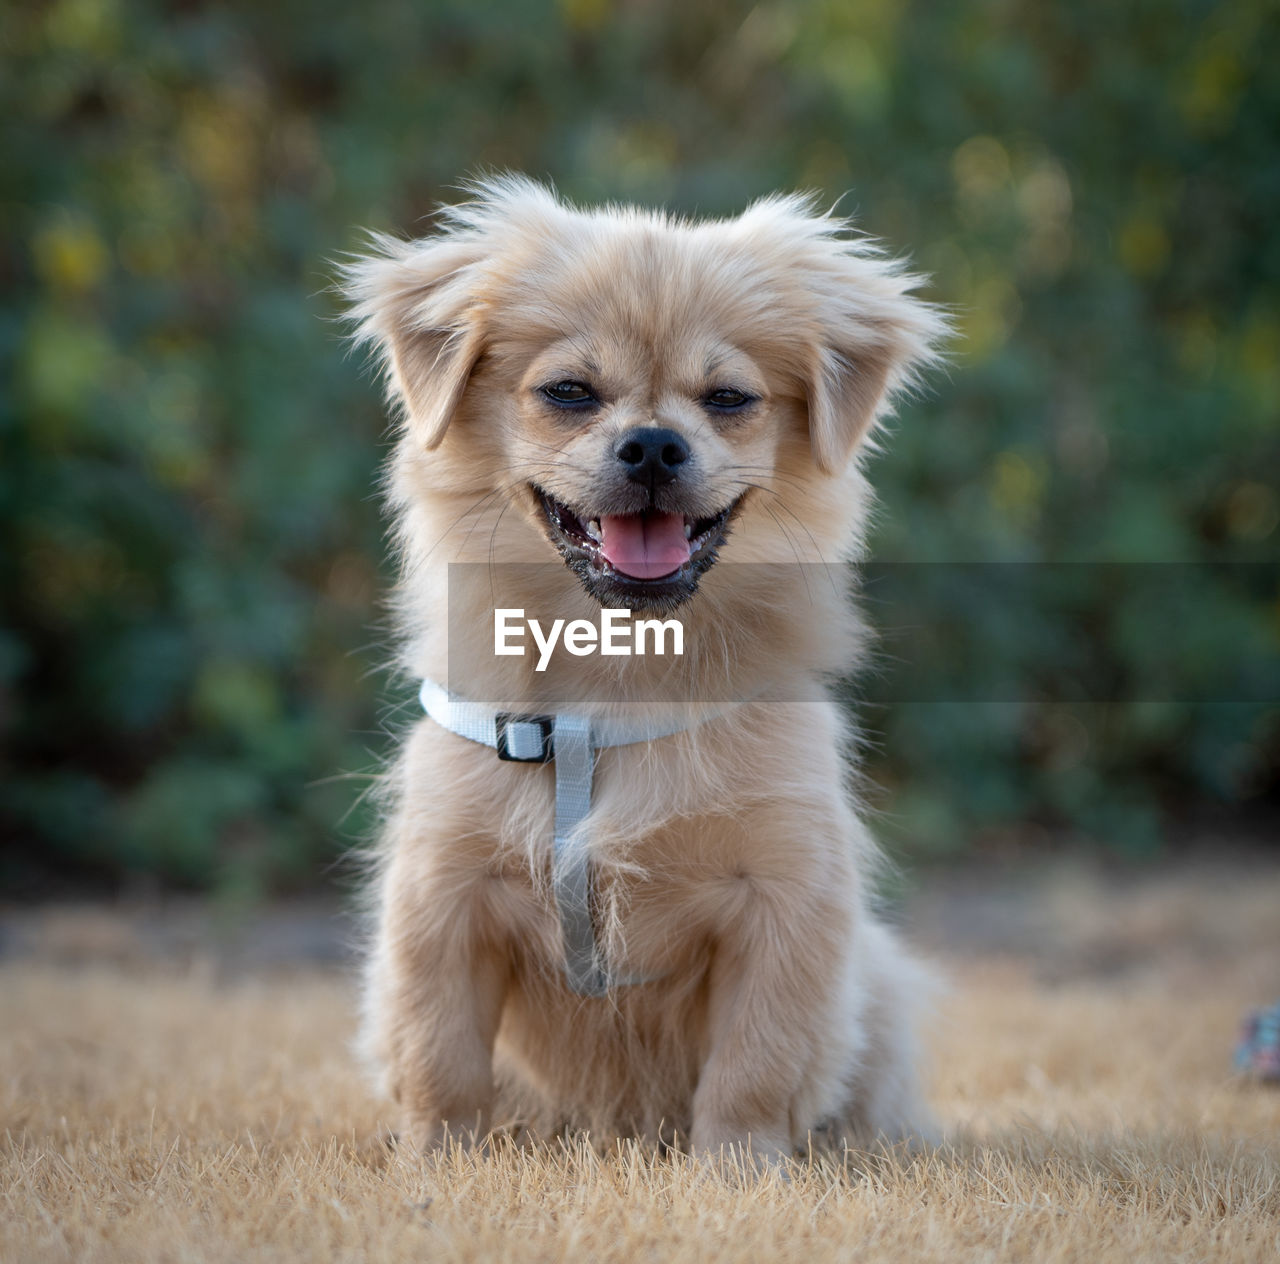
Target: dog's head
[[632, 383]]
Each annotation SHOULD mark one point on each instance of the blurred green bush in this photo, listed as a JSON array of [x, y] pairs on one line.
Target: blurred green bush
[[191, 559]]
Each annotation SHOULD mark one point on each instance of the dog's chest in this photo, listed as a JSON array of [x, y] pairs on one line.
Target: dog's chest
[[645, 921]]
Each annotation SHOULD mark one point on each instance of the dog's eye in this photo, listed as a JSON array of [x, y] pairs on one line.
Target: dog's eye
[[727, 399], [569, 394]]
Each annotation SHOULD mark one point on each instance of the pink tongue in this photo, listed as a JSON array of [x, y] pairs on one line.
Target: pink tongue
[[644, 545]]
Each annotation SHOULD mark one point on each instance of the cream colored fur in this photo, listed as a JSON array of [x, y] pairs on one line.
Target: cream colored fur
[[730, 859]]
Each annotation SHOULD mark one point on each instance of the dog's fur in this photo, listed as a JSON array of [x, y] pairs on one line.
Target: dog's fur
[[730, 863]]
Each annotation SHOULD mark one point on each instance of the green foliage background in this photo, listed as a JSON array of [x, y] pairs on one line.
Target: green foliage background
[[191, 555]]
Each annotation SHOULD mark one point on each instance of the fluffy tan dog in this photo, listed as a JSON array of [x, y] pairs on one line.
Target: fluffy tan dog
[[614, 408]]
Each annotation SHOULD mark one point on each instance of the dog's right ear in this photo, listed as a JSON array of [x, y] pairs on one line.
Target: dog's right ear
[[415, 303]]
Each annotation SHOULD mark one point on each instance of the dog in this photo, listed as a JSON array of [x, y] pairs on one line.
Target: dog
[[658, 920]]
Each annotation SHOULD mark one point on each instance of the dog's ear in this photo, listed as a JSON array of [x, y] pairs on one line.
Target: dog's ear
[[846, 388], [416, 304], [875, 337], [865, 335]]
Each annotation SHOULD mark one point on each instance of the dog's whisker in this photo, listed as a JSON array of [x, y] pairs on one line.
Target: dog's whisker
[[476, 506], [493, 539], [800, 523], [506, 504], [795, 549], [776, 476]]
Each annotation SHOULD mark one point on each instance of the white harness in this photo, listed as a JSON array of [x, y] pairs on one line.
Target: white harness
[[570, 741]]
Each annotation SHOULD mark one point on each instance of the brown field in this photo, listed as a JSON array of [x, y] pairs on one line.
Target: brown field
[[170, 1090]]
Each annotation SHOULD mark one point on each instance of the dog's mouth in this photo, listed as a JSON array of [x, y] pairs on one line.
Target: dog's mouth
[[651, 558]]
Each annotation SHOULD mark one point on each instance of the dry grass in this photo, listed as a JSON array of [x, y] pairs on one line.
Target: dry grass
[[156, 1112]]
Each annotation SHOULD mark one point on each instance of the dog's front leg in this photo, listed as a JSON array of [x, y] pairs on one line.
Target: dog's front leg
[[436, 997], [771, 985]]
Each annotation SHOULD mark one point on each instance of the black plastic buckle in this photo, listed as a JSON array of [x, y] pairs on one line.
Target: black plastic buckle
[[502, 722]]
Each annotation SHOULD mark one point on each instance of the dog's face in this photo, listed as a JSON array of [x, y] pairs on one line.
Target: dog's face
[[629, 383], [642, 442], [641, 418]]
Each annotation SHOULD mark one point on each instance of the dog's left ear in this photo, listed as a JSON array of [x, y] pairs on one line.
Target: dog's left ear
[[876, 337], [846, 389], [415, 303], [866, 336]]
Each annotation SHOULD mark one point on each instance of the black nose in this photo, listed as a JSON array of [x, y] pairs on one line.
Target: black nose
[[652, 455]]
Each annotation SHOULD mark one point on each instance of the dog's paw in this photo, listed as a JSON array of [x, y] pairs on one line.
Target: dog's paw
[[427, 1137], [747, 1158]]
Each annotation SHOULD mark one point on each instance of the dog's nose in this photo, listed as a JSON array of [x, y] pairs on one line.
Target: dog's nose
[[652, 455]]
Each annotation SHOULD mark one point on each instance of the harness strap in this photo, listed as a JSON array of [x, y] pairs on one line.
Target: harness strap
[[571, 861], [570, 741]]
